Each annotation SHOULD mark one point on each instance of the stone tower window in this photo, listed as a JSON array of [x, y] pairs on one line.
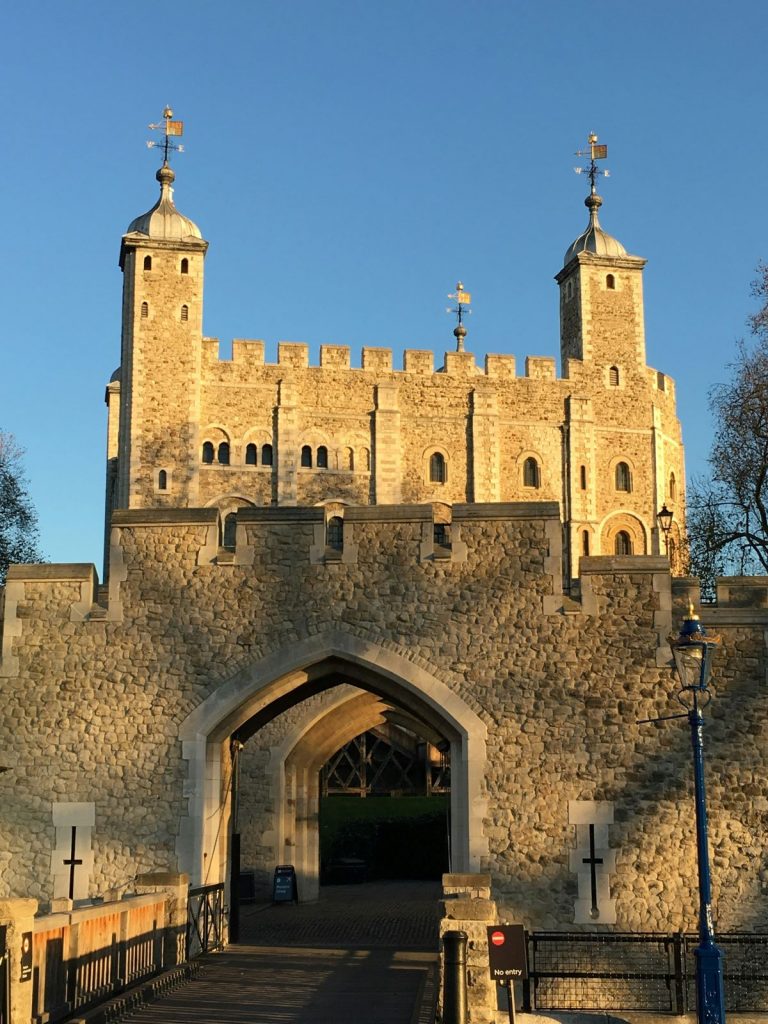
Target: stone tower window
[[230, 531], [661, 382], [306, 457], [147, 262], [531, 475], [623, 545], [610, 282], [162, 480], [250, 455], [583, 477], [185, 266], [348, 458], [623, 477], [441, 536], [365, 460], [335, 533], [672, 486], [436, 468], [223, 453], [208, 453], [184, 314], [613, 376], [322, 457], [266, 455], [144, 310], [585, 542]]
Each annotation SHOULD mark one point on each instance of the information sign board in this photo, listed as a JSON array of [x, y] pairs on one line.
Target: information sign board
[[506, 952], [284, 887]]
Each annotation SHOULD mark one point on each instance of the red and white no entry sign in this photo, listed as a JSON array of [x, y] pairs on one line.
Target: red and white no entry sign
[[498, 938]]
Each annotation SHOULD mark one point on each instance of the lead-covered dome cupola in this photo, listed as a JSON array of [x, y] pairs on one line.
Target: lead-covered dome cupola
[[594, 240], [163, 221]]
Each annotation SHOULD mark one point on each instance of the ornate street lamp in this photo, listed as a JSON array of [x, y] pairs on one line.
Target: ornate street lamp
[[693, 650], [664, 518]]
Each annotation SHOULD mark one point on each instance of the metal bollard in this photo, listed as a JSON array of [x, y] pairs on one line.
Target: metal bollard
[[455, 977]]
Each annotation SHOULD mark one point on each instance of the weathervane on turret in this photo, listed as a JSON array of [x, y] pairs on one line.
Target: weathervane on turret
[[595, 152], [460, 310], [170, 128]]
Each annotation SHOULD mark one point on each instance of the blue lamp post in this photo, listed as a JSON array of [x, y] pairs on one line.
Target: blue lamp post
[[693, 650]]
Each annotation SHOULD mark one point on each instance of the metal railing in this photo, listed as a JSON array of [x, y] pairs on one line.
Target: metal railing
[[639, 971], [205, 920]]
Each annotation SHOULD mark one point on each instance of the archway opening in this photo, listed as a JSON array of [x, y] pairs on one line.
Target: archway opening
[[289, 715]]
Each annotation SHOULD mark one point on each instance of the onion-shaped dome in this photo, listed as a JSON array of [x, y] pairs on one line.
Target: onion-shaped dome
[[594, 239], [164, 220]]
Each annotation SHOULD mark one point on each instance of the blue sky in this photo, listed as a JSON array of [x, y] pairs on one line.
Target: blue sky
[[349, 161]]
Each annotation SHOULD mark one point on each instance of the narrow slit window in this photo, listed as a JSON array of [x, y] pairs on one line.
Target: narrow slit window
[[250, 455], [185, 266], [147, 262], [144, 310], [266, 455], [184, 314], [613, 376], [162, 480], [223, 453], [623, 477], [623, 544], [441, 535], [306, 457], [585, 543], [208, 453], [322, 457], [335, 533], [437, 468], [672, 486], [230, 531], [531, 475], [583, 478]]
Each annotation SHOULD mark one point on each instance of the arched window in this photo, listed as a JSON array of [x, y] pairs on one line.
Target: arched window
[[208, 453], [185, 266], [348, 458], [583, 477], [365, 460], [441, 536], [610, 282], [335, 533], [322, 457], [144, 310], [250, 455], [162, 480], [266, 455], [230, 531], [672, 552], [223, 453], [147, 262], [585, 542], [613, 376], [306, 457], [623, 544], [531, 476], [672, 486], [184, 314], [436, 468], [623, 477]]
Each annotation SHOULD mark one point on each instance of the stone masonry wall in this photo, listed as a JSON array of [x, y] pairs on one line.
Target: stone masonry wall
[[94, 696]]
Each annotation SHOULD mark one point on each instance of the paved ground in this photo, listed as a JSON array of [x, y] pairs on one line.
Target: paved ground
[[362, 953]]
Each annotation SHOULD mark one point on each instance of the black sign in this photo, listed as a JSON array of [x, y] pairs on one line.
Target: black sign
[[26, 956], [506, 952], [284, 887]]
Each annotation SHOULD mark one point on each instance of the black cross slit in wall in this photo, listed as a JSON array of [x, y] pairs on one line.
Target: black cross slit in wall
[[74, 863], [592, 860]]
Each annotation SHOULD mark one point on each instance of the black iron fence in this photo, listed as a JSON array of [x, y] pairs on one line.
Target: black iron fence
[[205, 920], [639, 971]]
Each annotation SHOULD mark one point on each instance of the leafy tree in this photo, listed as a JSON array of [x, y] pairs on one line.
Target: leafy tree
[[728, 510], [18, 518]]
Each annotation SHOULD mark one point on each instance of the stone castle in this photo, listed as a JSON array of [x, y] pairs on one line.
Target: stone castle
[[296, 553]]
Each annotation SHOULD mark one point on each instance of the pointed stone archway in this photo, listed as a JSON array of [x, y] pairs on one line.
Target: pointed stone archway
[[285, 678]]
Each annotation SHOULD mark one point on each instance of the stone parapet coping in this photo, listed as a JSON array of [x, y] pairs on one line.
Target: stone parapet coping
[[606, 564], [506, 510], [49, 922], [165, 516], [61, 571]]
